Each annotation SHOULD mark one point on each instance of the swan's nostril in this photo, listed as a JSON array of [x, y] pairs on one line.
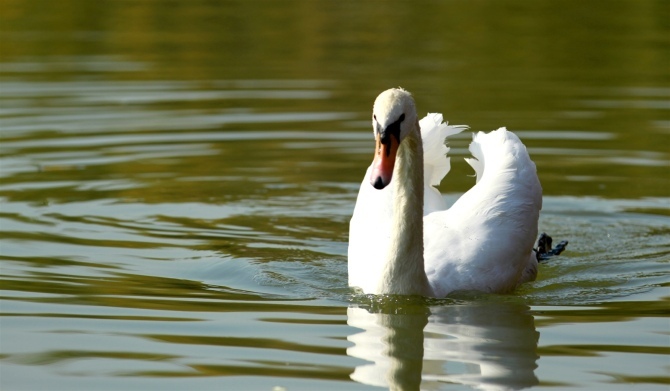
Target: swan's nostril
[[379, 183]]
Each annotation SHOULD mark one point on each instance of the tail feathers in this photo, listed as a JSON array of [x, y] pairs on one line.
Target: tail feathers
[[434, 133]]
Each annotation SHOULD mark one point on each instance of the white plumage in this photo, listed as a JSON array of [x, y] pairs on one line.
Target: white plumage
[[483, 242]]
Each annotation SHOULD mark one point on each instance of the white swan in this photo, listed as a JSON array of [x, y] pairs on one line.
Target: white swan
[[403, 239]]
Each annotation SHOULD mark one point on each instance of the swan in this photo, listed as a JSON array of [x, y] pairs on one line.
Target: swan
[[402, 237]]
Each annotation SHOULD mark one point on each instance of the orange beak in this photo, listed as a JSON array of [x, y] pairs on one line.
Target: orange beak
[[382, 165]]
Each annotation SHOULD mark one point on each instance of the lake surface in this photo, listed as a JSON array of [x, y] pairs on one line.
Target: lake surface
[[178, 177]]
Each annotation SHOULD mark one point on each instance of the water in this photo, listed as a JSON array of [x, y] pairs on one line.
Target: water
[[177, 179]]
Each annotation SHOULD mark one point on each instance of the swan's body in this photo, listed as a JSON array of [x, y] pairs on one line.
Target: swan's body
[[403, 239]]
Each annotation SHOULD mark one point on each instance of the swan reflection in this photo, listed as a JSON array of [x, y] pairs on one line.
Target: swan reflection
[[488, 346]]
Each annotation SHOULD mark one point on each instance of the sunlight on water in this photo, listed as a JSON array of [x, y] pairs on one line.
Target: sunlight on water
[[177, 182]]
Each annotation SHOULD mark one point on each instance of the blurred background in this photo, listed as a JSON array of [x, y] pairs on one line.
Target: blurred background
[[567, 66]]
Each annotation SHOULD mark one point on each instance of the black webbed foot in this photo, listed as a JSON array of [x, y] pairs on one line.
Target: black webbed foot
[[544, 250]]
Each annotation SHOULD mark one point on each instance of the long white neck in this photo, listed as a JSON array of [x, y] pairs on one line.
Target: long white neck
[[404, 272]]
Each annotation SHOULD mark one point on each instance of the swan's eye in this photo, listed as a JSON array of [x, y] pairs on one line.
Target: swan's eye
[[402, 117], [374, 116]]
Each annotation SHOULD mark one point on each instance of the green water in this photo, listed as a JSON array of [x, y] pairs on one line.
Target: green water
[[177, 180]]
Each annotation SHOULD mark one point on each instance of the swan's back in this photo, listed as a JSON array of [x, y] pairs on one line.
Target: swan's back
[[485, 240]]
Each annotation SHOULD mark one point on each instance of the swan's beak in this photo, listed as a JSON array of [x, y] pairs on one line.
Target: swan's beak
[[382, 165]]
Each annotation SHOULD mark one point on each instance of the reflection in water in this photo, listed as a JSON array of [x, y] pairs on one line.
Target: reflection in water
[[489, 346], [394, 342]]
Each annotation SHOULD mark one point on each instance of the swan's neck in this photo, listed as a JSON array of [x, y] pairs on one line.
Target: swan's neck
[[404, 271]]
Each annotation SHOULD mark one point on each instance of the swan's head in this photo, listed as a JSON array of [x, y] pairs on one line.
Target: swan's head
[[393, 118]]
